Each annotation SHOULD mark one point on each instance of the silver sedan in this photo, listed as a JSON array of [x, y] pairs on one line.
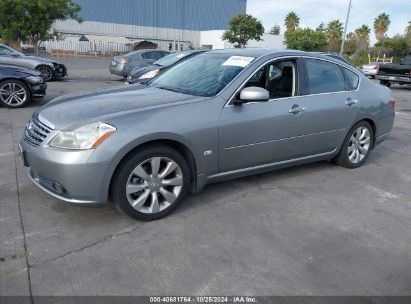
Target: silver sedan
[[217, 116]]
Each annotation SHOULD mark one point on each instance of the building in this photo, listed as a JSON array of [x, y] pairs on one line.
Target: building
[[166, 24]]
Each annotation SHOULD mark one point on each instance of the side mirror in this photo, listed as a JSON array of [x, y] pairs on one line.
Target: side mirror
[[253, 94]]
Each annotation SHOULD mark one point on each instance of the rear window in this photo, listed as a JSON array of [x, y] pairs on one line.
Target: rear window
[[352, 79]]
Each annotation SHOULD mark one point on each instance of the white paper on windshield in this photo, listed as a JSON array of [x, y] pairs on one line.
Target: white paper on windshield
[[239, 61]]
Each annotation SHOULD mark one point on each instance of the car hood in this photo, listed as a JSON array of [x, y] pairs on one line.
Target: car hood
[[73, 110], [13, 68], [42, 59]]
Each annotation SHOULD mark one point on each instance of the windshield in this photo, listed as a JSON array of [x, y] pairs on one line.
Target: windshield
[[203, 75], [170, 59]]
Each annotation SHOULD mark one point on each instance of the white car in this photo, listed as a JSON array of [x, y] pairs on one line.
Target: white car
[[371, 69]]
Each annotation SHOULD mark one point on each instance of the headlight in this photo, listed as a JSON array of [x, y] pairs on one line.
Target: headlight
[[35, 79], [83, 138], [150, 74]]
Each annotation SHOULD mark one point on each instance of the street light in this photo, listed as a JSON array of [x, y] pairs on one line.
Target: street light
[[345, 28]]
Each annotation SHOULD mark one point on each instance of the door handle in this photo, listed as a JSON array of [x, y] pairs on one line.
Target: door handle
[[351, 101], [296, 110]]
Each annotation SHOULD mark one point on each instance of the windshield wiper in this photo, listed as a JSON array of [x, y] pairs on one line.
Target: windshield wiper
[[168, 89]]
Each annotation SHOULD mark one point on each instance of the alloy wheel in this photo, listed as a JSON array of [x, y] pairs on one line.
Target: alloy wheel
[[359, 145], [13, 94], [46, 72], [154, 185]]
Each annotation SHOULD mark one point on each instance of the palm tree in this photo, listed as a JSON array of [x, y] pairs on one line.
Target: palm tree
[[408, 34], [292, 21], [363, 37], [381, 24], [334, 32]]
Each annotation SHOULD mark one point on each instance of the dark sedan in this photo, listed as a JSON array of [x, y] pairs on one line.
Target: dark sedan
[[142, 74], [19, 86]]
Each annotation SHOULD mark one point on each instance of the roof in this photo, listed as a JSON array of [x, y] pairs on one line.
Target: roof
[[255, 52]]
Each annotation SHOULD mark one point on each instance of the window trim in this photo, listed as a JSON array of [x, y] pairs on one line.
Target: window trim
[[298, 83], [307, 83], [348, 84], [340, 64]]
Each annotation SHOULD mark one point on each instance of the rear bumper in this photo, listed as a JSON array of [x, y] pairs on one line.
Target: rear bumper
[[394, 78]]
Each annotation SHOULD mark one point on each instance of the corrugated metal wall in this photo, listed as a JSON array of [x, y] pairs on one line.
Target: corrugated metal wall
[[197, 15]]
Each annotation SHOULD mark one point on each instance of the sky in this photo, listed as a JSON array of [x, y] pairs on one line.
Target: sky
[[313, 12]]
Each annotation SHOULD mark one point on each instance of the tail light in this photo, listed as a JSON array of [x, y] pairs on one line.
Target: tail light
[[393, 103], [125, 60], [377, 67]]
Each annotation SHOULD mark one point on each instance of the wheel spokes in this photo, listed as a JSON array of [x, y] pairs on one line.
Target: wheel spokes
[[155, 165], [133, 188], [175, 181], [139, 202]]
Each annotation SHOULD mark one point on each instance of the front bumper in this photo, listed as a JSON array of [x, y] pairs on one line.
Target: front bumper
[[369, 72], [65, 175], [38, 90], [60, 71]]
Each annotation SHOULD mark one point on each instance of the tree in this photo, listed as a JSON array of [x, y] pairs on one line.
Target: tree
[[395, 46], [334, 32], [275, 30], [33, 19], [242, 29], [306, 40], [292, 21], [321, 27], [363, 37], [350, 46], [381, 24], [408, 35]]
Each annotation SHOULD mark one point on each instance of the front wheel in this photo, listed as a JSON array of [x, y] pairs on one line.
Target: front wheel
[[46, 71], [357, 146], [151, 183], [14, 93]]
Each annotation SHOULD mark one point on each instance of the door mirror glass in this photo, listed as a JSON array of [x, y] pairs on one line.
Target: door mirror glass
[[251, 94]]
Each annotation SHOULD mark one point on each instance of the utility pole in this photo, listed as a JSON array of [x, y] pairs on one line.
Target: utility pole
[[345, 29]]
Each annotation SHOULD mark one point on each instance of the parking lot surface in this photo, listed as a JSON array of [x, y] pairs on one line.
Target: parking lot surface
[[317, 229]]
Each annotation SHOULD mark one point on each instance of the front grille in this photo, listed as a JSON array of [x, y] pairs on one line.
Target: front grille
[[36, 132]]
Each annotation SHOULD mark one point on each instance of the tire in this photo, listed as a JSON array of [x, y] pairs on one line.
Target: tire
[[385, 83], [46, 71], [14, 93], [156, 194], [354, 145]]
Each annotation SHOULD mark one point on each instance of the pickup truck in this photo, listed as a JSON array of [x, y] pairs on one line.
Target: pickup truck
[[395, 73]]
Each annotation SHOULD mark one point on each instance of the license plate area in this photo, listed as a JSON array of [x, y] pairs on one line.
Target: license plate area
[[392, 78]]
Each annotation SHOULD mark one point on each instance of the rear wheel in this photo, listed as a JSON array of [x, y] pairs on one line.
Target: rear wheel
[[46, 72], [357, 146], [151, 183], [14, 93]]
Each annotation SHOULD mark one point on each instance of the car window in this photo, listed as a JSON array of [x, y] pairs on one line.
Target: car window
[[152, 55], [352, 79], [278, 78], [324, 77], [5, 51], [172, 58], [202, 75]]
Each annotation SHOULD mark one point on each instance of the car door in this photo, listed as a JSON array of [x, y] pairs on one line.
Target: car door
[[332, 105], [258, 133]]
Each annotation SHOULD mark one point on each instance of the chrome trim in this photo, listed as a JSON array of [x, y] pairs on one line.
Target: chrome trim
[[266, 167], [287, 57]]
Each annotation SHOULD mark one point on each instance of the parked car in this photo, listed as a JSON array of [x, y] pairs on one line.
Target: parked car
[[216, 116], [50, 69], [18, 86], [395, 73], [371, 69], [145, 73], [124, 64]]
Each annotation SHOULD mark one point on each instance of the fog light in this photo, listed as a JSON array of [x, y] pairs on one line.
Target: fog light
[[58, 188]]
